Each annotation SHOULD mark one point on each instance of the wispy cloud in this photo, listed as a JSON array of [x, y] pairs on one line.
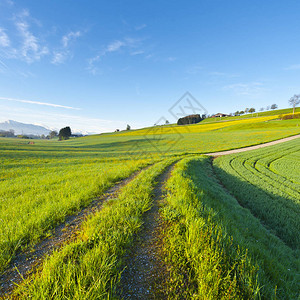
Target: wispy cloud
[[26, 44], [62, 54], [59, 57], [4, 39], [9, 2], [38, 103], [31, 48], [22, 43], [245, 88], [92, 68], [138, 52], [293, 67], [71, 36], [115, 46]]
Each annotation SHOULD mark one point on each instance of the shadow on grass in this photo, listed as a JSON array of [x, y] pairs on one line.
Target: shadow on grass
[[279, 215]]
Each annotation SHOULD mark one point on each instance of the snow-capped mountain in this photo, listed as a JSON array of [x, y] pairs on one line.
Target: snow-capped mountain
[[22, 128]]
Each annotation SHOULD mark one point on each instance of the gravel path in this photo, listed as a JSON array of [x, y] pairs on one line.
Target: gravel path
[[253, 147], [26, 263], [146, 272]]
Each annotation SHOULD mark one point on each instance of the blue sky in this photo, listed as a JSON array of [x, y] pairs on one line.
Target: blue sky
[[99, 65]]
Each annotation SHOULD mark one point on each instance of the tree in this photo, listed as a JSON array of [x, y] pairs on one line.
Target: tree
[[251, 110], [242, 112], [261, 109], [274, 106], [128, 127], [295, 100], [268, 107], [246, 110], [191, 119], [64, 133], [237, 113], [167, 122], [53, 134]]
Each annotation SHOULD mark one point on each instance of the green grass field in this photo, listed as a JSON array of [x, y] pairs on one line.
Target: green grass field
[[254, 115], [272, 196], [247, 225], [221, 248]]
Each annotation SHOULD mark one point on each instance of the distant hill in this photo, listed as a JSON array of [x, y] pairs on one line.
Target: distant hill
[[22, 128]]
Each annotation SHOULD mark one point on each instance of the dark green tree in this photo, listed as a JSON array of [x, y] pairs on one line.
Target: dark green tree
[[274, 106], [128, 127], [53, 134], [64, 133]]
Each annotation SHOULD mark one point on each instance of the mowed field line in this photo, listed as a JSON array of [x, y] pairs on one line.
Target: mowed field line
[[25, 263], [253, 147], [145, 271]]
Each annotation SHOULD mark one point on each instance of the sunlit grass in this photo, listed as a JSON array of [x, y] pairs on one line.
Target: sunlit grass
[[272, 196], [43, 183], [218, 250], [90, 267]]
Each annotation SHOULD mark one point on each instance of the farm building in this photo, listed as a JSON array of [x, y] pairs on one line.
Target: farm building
[[219, 115]]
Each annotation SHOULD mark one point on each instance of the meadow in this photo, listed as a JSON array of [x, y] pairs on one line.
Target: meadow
[[227, 243], [208, 209]]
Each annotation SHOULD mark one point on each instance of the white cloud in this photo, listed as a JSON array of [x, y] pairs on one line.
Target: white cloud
[[138, 52], [293, 67], [130, 43], [38, 103], [30, 49], [59, 57], [115, 46], [91, 65], [66, 39], [29, 46], [62, 54], [4, 40], [8, 3]]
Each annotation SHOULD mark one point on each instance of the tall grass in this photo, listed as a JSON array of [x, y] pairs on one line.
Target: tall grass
[[218, 250], [33, 199], [273, 198], [90, 267]]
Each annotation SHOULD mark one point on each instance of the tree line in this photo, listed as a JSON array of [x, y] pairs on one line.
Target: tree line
[[253, 110]]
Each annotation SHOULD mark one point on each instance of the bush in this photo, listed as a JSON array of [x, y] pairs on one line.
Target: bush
[[291, 116]]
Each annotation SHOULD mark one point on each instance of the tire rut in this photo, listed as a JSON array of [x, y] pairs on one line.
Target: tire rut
[[25, 263], [146, 272]]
